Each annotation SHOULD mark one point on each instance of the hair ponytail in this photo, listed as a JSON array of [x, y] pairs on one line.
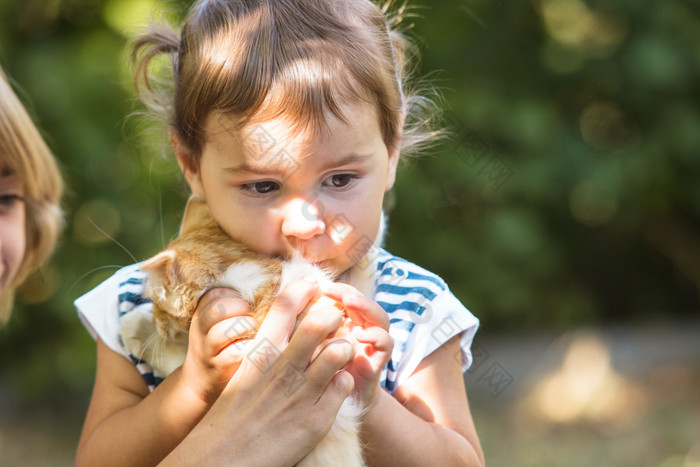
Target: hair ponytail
[[155, 92], [421, 126]]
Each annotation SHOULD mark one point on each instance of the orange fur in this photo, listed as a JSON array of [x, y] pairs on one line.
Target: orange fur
[[203, 257], [194, 263]]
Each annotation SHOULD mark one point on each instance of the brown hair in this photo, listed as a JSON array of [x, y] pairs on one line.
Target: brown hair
[[272, 58], [25, 153]]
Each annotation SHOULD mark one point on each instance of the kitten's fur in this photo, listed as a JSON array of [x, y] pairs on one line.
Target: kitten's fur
[[205, 257]]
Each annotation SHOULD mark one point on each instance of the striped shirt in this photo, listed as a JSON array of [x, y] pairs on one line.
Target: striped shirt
[[423, 315]]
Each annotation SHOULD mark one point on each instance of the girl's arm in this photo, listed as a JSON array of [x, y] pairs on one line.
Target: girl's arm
[[427, 421], [123, 426]]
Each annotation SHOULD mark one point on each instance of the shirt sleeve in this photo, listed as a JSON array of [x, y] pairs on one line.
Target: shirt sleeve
[[99, 312], [444, 318]]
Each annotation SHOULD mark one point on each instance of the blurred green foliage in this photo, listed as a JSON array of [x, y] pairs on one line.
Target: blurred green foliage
[[567, 194]]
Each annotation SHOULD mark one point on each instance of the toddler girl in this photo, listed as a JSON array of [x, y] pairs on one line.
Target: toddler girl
[[289, 118]]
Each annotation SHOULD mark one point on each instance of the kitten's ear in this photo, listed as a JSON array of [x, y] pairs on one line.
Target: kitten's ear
[[159, 266], [196, 214]]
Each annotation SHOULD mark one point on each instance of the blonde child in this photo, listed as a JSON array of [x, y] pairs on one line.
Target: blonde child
[[30, 190], [288, 118]]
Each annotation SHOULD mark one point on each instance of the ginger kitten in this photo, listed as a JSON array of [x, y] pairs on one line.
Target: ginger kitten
[[204, 257]]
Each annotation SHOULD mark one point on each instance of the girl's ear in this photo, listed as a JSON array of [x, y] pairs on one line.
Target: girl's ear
[[188, 164], [393, 164]]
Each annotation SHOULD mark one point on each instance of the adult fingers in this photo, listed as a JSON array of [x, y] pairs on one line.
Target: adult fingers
[[264, 351], [279, 322], [313, 329], [330, 360], [336, 391]]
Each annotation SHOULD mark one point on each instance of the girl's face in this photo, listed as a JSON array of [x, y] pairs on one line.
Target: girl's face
[[12, 233], [287, 194]]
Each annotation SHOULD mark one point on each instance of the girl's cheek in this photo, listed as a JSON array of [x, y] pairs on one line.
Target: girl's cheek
[[263, 236], [12, 244], [20, 236]]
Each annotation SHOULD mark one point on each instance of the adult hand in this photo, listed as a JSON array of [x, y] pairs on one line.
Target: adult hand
[[279, 404]]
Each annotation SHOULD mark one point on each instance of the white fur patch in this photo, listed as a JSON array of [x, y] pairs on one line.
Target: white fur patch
[[157, 291], [245, 277], [141, 339], [297, 269], [342, 445]]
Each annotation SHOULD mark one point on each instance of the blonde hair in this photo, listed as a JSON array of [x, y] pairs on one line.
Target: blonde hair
[[25, 153], [272, 58]]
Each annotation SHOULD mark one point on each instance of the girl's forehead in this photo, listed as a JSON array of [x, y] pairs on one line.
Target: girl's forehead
[[12, 171], [267, 128], [259, 140], [10, 180]]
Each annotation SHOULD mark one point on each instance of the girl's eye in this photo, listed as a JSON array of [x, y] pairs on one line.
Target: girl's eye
[[339, 180], [262, 188], [10, 200]]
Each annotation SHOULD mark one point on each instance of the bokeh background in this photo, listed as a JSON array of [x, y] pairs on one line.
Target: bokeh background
[[564, 211]]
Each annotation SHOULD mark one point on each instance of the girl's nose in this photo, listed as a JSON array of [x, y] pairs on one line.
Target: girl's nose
[[302, 220]]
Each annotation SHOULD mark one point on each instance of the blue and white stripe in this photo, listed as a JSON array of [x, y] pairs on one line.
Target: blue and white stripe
[[406, 292], [131, 299]]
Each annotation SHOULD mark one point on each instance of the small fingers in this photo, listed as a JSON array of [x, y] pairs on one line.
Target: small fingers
[[218, 305], [378, 338], [233, 354], [373, 352], [361, 310], [229, 331]]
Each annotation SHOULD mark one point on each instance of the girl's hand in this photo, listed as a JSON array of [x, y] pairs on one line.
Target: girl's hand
[[221, 318], [370, 327]]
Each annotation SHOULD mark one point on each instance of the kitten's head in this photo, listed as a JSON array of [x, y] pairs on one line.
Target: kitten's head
[[173, 275], [173, 301]]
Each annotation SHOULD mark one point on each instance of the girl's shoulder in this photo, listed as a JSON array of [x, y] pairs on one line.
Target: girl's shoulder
[[398, 275], [124, 289], [104, 309], [423, 315]]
